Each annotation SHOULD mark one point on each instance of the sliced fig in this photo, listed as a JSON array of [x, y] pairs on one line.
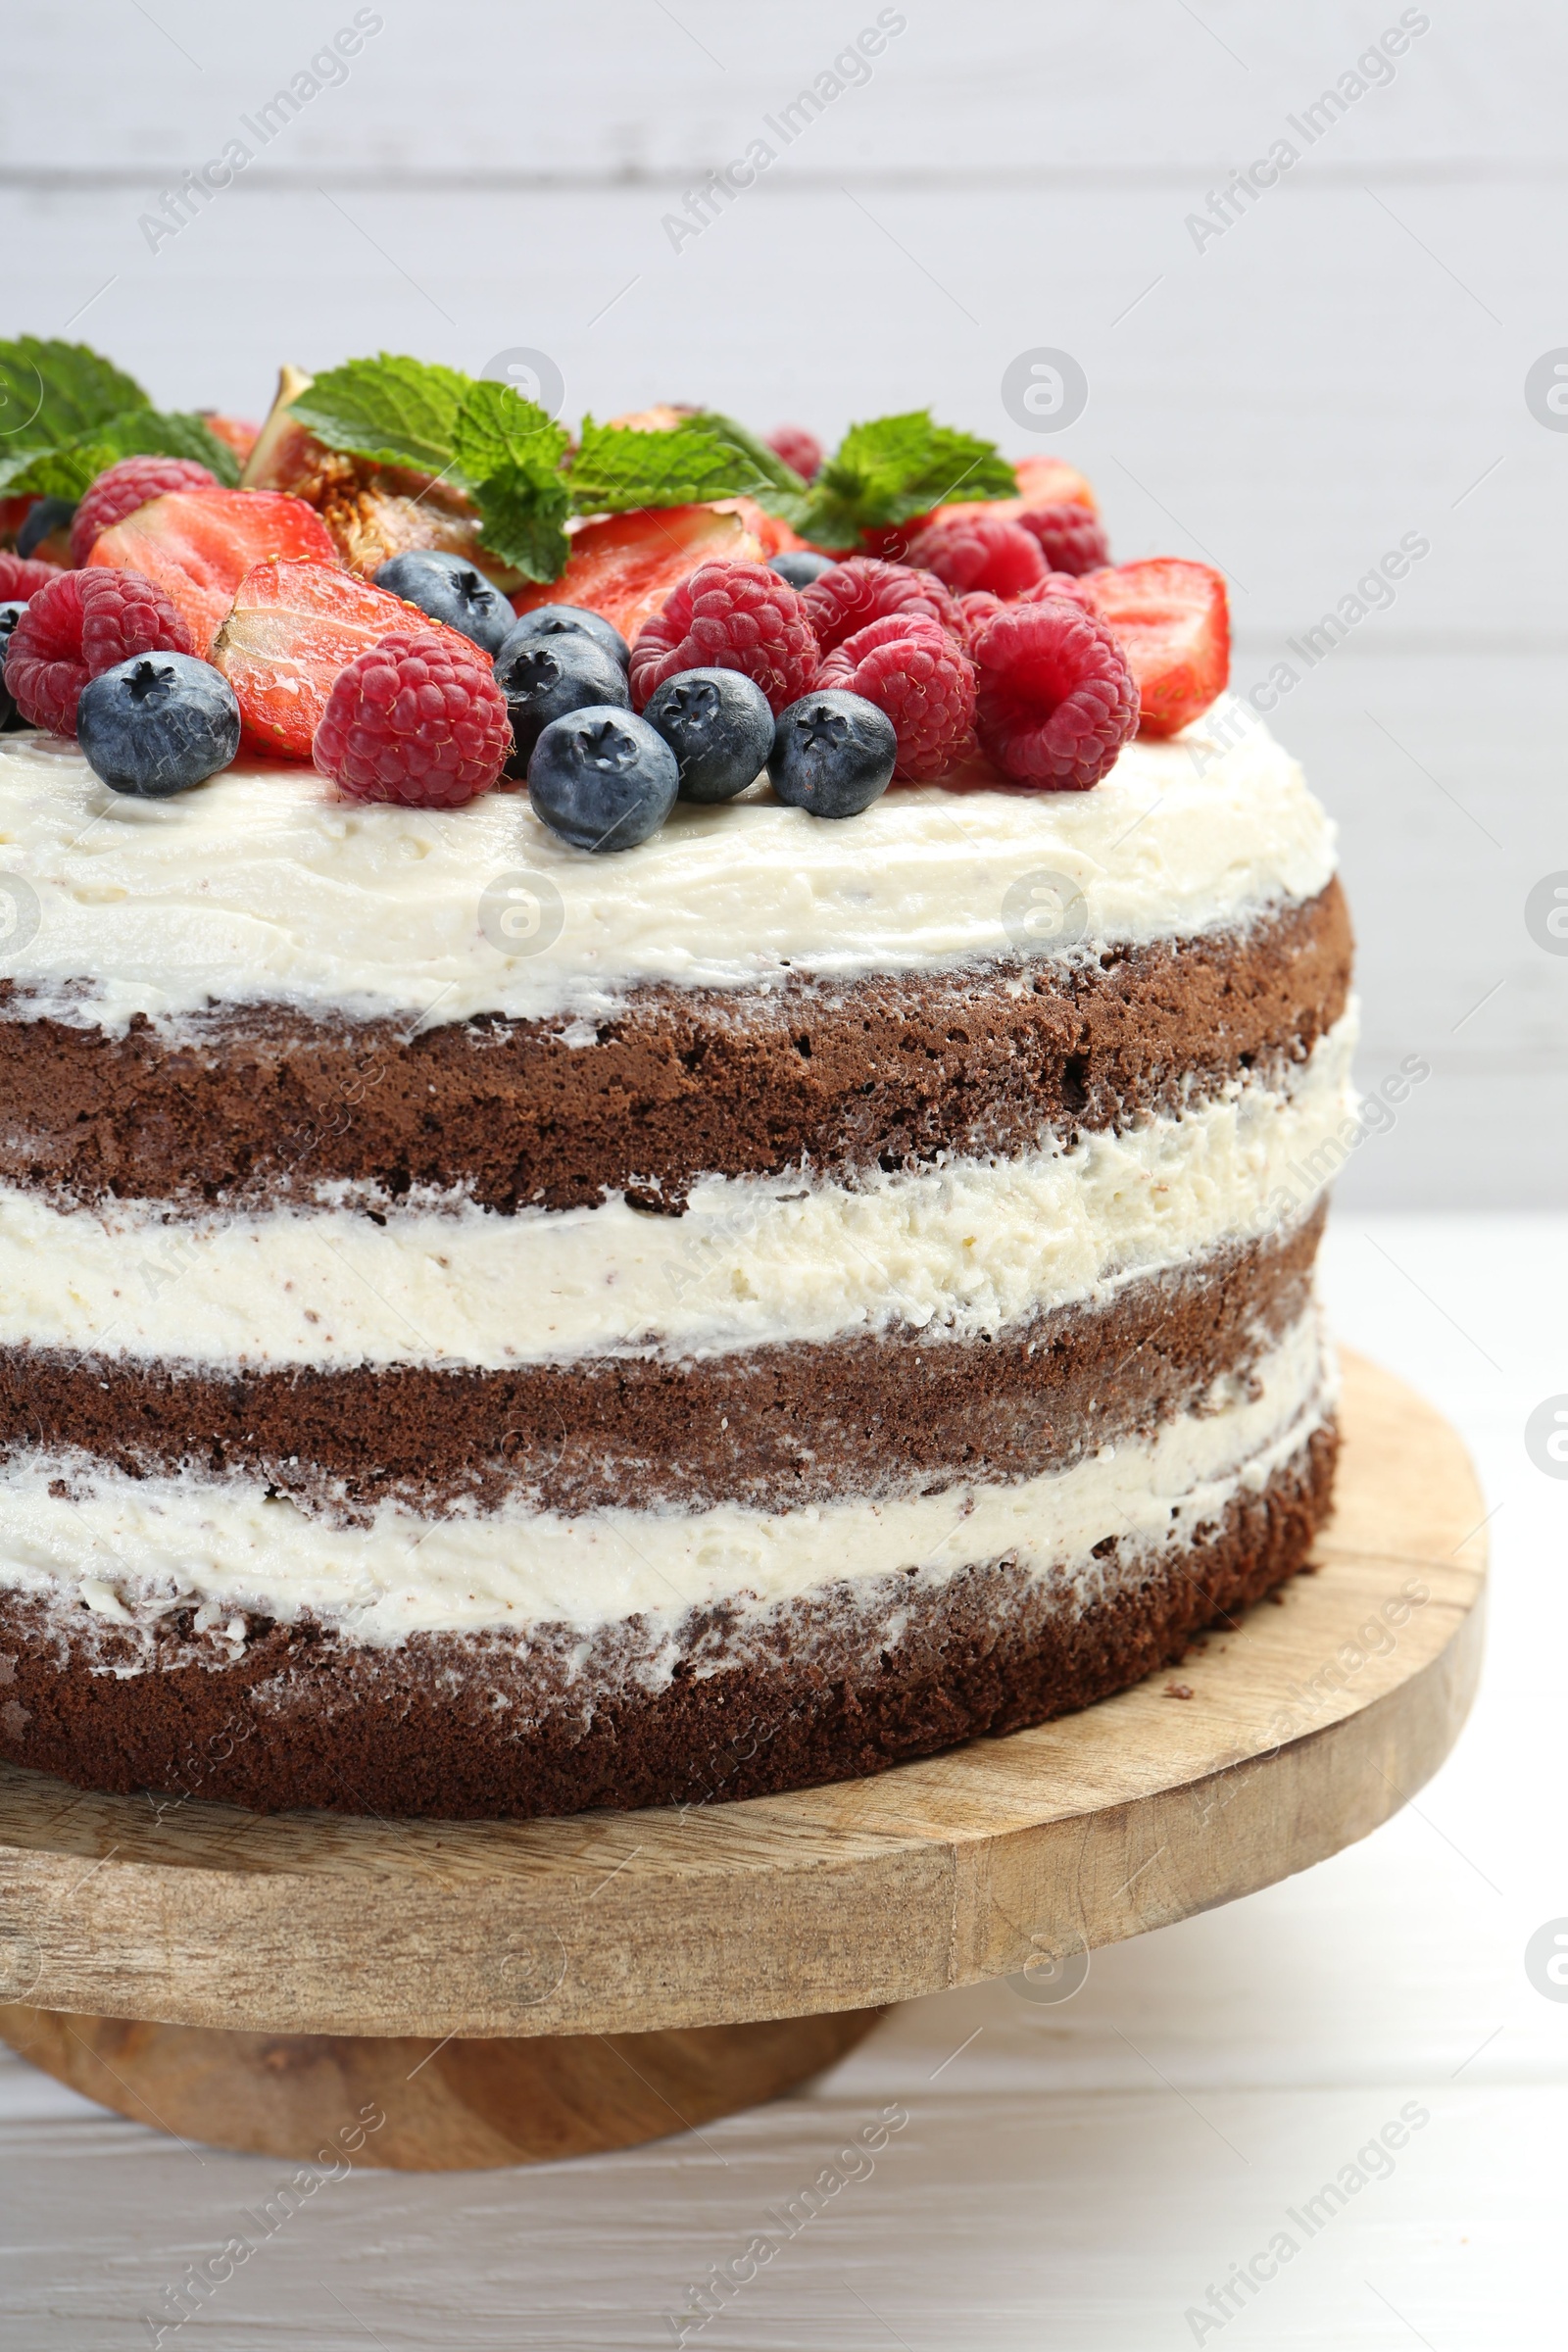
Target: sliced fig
[[372, 512]]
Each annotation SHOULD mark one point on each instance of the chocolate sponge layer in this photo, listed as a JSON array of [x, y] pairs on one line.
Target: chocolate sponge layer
[[859, 1675], [252, 1105], [771, 1427]]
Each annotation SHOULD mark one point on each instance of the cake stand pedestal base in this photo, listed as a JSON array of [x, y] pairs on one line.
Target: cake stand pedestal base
[[501, 1992], [444, 2106]]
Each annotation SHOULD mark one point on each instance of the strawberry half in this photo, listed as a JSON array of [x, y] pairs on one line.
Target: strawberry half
[[626, 567], [237, 432], [1052, 482], [198, 545], [1172, 620], [292, 629]]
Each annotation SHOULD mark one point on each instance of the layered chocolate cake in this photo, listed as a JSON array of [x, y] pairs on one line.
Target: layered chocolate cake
[[490, 1330], [663, 1098]]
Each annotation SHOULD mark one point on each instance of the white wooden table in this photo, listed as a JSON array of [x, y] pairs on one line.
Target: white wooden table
[[1075, 2176]]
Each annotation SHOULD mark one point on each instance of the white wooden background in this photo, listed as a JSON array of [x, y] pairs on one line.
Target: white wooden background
[[1072, 2178], [1346, 365]]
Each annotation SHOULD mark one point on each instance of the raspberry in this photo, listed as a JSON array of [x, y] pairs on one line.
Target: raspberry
[[1057, 583], [920, 674], [21, 576], [797, 448], [729, 616], [1071, 539], [1056, 699], [415, 721], [78, 625], [120, 489], [980, 551], [861, 590], [977, 608]]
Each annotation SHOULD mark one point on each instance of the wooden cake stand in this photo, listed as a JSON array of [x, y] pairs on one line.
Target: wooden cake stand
[[504, 1992]]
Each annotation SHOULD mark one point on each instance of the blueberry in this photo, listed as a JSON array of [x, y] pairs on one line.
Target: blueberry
[[44, 519], [575, 620], [157, 723], [602, 779], [10, 716], [720, 727], [800, 567], [833, 753], [450, 589], [544, 677]]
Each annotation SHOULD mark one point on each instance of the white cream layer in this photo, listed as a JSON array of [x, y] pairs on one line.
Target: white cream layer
[[132, 1547], [262, 886], [957, 1249]]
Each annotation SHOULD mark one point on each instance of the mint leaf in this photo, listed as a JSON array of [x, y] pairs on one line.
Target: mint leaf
[[512, 452], [894, 468], [778, 487], [702, 456], [393, 411], [190, 436], [55, 393], [66, 470], [522, 522], [496, 428]]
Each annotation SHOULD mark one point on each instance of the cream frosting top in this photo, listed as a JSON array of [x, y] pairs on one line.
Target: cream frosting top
[[262, 886]]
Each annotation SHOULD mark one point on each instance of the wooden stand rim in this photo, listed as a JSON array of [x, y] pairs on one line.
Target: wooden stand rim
[[1304, 1729]]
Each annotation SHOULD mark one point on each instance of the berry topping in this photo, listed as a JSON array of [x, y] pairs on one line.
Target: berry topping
[[799, 566], [157, 723], [976, 550], [120, 489], [544, 677], [975, 610], [1056, 700], [558, 620], [729, 616], [1172, 620], [10, 717], [238, 433], [78, 625], [720, 727], [772, 534], [198, 545], [450, 589], [797, 448], [626, 567], [833, 753], [602, 779], [418, 719], [920, 675], [23, 577], [852, 595], [1070, 538], [48, 527], [292, 628], [1057, 583], [1049, 482]]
